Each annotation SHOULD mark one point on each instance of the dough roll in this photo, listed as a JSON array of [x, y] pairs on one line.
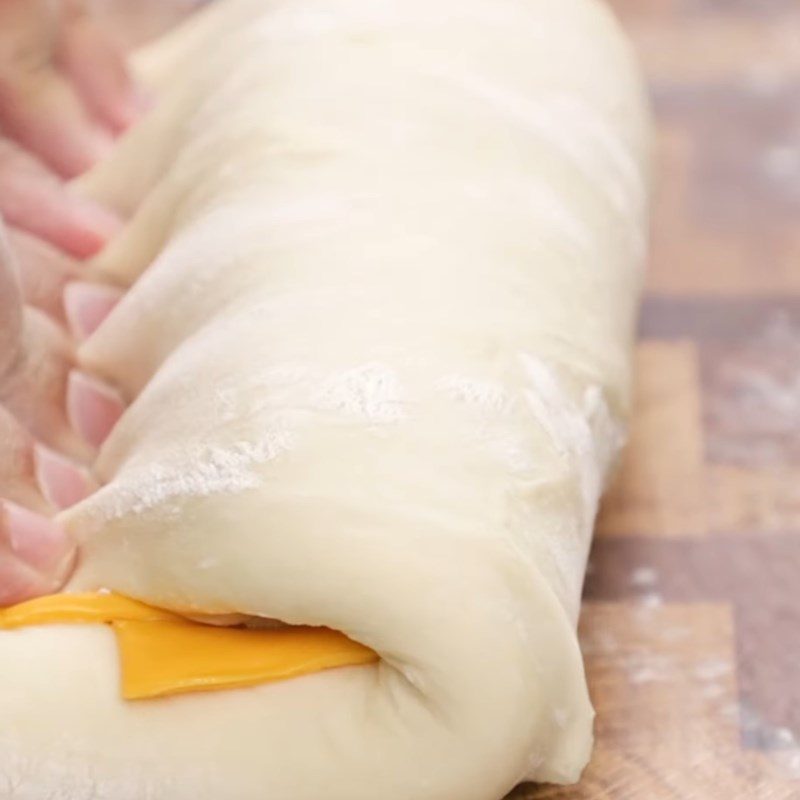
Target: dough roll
[[384, 259]]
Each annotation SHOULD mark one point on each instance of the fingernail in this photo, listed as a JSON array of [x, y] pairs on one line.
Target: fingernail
[[101, 144], [61, 482], [142, 99], [93, 407], [36, 540], [130, 109], [91, 226], [87, 304], [97, 218]]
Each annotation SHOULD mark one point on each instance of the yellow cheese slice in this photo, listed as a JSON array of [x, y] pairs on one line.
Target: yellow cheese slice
[[193, 657], [163, 654], [78, 608]]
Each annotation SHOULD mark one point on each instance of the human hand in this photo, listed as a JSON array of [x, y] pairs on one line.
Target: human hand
[[52, 415], [64, 94]]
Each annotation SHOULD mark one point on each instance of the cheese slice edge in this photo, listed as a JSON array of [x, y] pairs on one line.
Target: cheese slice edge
[[163, 654]]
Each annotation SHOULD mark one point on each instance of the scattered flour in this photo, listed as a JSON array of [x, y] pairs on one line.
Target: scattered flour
[[644, 577]]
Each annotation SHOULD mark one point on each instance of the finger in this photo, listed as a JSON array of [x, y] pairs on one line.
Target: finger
[[17, 468], [34, 391], [93, 407], [63, 407], [34, 476], [87, 304], [38, 107], [36, 554], [10, 307], [95, 63], [42, 112], [32, 200], [60, 480], [44, 271]]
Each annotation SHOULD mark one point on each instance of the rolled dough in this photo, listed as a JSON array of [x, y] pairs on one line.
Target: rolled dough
[[383, 258]]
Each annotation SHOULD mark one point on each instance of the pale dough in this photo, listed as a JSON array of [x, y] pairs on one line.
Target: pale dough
[[385, 259]]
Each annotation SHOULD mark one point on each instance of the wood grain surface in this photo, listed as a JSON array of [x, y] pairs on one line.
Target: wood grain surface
[[691, 621]]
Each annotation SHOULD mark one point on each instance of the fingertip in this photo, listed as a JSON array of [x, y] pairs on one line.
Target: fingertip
[[61, 482], [93, 407], [36, 542], [124, 111], [87, 304], [100, 74], [32, 199], [98, 218], [90, 226], [46, 117], [99, 144]]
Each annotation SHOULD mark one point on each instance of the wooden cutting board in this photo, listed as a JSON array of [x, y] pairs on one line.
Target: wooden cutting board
[[691, 622]]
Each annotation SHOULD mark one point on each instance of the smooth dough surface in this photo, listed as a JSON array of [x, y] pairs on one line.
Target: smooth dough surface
[[384, 259]]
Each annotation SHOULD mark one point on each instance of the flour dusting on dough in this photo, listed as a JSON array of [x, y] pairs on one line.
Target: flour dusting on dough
[[201, 472], [587, 435], [370, 392]]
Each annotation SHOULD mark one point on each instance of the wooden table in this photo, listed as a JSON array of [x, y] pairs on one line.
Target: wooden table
[[691, 623]]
